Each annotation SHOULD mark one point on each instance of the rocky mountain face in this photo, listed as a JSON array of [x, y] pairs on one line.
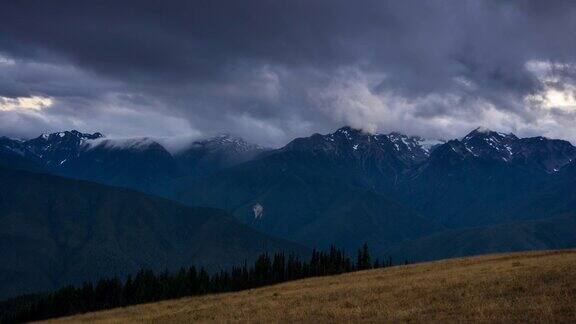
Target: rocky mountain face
[[210, 155], [14, 155], [477, 180], [54, 150], [374, 160], [134, 163], [352, 143], [540, 153]]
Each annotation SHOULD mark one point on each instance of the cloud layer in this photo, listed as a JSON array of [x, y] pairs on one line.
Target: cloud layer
[[273, 70]]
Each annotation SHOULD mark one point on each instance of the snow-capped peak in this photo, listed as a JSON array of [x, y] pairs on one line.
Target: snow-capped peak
[[486, 132], [348, 133], [227, 141], [351, 142], [69, 134]]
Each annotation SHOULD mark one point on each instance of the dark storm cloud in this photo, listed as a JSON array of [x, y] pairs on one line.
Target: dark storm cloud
[[179, 40], [271, 70]]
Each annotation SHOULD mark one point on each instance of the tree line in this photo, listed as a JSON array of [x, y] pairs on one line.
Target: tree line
[[147, 286]]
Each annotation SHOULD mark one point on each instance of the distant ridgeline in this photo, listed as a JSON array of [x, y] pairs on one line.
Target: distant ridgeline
[[148, 286]]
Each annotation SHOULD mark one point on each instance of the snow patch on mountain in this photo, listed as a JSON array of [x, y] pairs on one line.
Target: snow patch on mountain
[[258, 210]]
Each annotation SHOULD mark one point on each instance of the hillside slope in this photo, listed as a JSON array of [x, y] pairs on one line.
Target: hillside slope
[[520, 287], [542, 234], [56, 231]]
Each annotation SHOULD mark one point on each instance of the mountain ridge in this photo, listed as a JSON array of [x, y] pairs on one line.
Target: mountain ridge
[[139, 163], [56, 231], [411, 150]]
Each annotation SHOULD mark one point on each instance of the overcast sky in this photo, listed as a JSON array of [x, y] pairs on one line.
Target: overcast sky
[[270, 71]]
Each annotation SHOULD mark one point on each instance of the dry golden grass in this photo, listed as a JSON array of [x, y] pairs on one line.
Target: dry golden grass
[[521, 287]]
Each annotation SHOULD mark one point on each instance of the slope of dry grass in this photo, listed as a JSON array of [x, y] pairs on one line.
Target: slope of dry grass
[[520, 287]]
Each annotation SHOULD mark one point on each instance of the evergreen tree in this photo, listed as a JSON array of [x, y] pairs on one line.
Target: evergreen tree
[[365, 257]]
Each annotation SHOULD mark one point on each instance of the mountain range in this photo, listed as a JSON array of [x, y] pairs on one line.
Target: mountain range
[[139, 163], [404, 195], [348, 187]]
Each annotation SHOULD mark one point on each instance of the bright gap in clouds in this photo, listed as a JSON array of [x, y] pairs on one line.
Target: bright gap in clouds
[[556, 93], [35, 103], [560, 99], [6, 60]]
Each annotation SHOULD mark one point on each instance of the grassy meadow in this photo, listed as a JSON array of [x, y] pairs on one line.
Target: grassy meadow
[[519, 287]]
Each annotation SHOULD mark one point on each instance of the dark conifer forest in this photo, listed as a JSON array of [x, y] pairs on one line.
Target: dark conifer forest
[[148, 286]]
